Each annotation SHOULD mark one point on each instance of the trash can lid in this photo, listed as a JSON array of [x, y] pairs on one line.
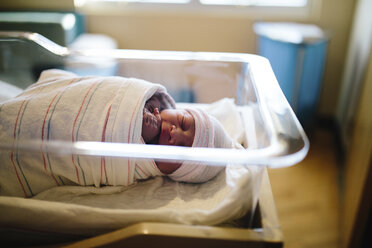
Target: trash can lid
[[290, 32]]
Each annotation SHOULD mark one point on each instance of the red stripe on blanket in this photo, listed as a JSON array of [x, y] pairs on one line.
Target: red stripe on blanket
[[73, 130], [200, 137], [12, 153], [17, 119], [43, 131], [103, 159], [14, 139], [16, 171], [42, 136], [139, 167], [129, 132], [207, 126]]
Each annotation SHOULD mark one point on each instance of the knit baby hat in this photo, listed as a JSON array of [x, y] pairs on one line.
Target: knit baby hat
[[208, 133]]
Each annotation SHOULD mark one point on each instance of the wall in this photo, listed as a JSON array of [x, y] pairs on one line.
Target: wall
[[37, 4], [355, 68], [198, 31], [194, 31], [355, 119], [357, 202], [335, 16]]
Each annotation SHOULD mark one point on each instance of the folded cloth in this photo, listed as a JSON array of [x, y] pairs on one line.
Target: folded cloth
[[8, 91], [208, 133], [63, 106]]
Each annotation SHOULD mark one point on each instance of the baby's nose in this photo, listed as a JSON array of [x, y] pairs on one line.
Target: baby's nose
[[172, 129], [172, 134]]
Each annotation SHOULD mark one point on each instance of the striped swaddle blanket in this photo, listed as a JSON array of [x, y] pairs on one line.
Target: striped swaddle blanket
[[63, 106]]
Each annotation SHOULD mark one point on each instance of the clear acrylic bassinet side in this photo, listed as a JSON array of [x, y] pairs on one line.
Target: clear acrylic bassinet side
[[276, 138], [249, 81]]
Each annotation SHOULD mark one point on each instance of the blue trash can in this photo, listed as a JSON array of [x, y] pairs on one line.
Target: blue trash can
[[297, 55]]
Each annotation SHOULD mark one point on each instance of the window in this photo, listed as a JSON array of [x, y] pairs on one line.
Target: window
[[253, 8], [149, 1], [287, 3], [282, 3]]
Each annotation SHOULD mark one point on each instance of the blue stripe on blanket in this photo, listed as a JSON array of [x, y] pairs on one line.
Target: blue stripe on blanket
[[17, 151], [81, 120], [48, 126]]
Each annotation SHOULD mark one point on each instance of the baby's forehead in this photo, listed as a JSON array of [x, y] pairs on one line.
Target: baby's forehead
[[185, 111]]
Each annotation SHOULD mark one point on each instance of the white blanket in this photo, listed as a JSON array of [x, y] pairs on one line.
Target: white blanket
[[63, 106], [8, 91], [91, 210]]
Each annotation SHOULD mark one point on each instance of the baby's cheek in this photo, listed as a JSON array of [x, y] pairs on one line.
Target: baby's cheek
[[164, 139]]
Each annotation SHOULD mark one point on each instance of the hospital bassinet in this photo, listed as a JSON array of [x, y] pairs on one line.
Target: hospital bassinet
[[192, 77]]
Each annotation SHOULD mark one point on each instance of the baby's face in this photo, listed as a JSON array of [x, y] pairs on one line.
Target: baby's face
[[177, 128], [170, 127]]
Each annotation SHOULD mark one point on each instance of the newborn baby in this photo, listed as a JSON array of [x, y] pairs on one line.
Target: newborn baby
[[64, 106], [183, 127], [168, 127]]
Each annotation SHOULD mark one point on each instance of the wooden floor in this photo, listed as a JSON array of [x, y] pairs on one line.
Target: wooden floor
[[307, 196]]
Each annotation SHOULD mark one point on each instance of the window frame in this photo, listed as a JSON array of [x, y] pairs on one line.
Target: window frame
[[311, 9]]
